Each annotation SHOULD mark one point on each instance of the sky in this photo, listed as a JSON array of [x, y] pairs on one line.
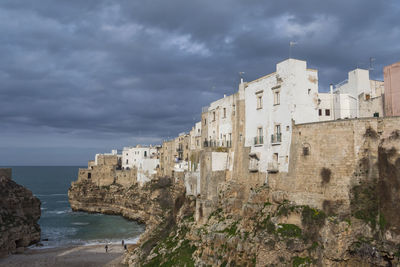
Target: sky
[[83, 77]]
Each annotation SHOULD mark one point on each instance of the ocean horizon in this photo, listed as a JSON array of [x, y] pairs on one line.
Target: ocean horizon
[[60, 226]]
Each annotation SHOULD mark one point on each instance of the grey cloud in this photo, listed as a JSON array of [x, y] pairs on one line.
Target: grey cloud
[[101, 74]]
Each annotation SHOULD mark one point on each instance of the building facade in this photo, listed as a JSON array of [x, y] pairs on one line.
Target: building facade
[[391, 75]]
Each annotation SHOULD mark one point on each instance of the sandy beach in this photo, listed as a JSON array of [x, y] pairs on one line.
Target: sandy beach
[[68, 256]]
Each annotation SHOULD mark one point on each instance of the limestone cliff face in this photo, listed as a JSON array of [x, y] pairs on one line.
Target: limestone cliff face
[[261, 231], [148, 204], [19, 213]]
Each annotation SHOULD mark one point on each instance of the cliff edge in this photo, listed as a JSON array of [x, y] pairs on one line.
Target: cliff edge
[[19, 213]]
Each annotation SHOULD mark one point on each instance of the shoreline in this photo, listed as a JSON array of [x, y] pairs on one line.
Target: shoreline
[[80, 255]]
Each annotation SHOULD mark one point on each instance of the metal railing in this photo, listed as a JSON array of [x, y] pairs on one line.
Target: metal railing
[[341, 83], [276, 138], [213, 143], [210, 143], [258, 140], [228, 143]]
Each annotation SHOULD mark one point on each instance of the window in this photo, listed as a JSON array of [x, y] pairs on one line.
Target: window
[[260, 131], [205, 121], [224, 112], [277, 97], [259, 138], [276, 137], [309, 90], [259, 101], [278, 129], [327, 112], [287, 128], [126, 161], [213, 115], [89, 175], [145, 154], [234, 109], [320, 112]]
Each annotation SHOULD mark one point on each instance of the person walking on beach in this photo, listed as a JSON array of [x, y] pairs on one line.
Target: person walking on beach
[[125, 247], [123, 242], [106, 247]]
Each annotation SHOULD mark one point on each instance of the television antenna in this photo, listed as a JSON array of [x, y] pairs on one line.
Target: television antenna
[[371, 63], [241, 74]]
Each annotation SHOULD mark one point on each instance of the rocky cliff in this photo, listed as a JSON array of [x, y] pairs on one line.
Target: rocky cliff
[[156, 204], [261, 226], [19, 213], [259, 230]]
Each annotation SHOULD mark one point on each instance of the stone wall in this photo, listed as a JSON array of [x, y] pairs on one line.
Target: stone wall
[[329, 158], [126, 178]]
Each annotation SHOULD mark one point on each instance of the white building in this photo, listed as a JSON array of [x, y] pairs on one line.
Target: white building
[[325, 106], [195, 136], [219, 120], [144, 159], [272, 102], [358, 96]]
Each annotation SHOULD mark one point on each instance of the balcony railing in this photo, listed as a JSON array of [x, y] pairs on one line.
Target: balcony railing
[[258, 140], [276, 138], [214, 143], [210, 143]]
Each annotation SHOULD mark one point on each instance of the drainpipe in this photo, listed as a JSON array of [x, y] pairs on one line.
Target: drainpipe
[[332, 101]]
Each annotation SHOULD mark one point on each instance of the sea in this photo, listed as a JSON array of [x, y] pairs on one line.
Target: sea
[[59, 224]]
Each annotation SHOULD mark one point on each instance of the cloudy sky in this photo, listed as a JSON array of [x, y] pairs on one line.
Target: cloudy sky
[[82, 77]]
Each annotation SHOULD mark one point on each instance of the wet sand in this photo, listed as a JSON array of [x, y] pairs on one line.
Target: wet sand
[[68, 256]]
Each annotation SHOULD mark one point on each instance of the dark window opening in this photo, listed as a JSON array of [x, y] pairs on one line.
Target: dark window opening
[[327, 112], [320, 112]]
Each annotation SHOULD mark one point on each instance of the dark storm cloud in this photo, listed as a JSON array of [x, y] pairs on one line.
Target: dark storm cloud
[[93, 75]]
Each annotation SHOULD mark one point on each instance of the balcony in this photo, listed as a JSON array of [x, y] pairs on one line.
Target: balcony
[[276, 138], [273, 167], [209, 143], [258, 140]]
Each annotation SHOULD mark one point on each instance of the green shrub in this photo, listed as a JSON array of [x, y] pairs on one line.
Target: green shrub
[[289, 230], [298, 261]]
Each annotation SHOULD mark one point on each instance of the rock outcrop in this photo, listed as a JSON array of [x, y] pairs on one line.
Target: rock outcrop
[[19, 213], [156, 204]]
